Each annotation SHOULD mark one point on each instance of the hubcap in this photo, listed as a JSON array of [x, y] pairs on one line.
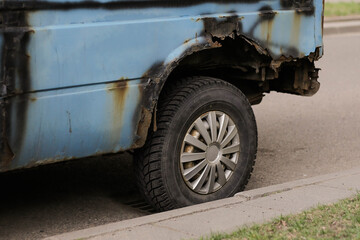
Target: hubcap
[[210, 152]]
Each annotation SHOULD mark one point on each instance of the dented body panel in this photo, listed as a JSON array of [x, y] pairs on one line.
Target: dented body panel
[[82, 78]]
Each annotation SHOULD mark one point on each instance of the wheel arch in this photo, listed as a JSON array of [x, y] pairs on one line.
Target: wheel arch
[[203, 56], [218, 59]]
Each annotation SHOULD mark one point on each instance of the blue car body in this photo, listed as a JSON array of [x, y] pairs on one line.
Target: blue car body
[[82, 78]]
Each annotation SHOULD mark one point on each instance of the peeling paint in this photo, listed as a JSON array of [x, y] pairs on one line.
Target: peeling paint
[[143, 127]]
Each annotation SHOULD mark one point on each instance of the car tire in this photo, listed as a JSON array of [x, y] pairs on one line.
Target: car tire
[[204, 147]]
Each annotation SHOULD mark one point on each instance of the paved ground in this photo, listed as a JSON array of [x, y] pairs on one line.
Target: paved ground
[[303, 137], [254, 206], [298, 137]]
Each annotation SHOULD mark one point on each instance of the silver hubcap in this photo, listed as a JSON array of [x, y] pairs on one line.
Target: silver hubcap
[[209, 152]]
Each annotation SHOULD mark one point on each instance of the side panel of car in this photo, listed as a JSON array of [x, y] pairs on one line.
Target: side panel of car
[[80, 79]]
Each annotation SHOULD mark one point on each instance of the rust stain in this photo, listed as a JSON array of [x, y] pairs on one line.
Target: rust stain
[[123, 78], [143, 127], [195, 20], [266, 30], [119, 91], [215, 44], [270, 29], [263, 30], [144, 119], [295, 33], [187, 40]]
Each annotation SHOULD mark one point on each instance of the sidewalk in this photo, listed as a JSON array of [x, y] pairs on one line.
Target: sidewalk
[[339, 25], [254, 206], [343, 24], [336, 1]]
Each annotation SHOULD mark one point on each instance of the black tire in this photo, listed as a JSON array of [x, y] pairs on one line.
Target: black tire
[[157, 165]]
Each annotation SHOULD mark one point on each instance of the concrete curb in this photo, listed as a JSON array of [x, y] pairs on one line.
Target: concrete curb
[[340, 27], [342, 18], [341, 24], [254, 206]]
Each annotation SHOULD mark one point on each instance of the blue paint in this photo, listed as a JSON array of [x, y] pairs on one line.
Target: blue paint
[[97, 45], [72, 122]]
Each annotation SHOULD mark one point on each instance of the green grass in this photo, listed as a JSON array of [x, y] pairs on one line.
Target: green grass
[[342, 9], [336, 221]]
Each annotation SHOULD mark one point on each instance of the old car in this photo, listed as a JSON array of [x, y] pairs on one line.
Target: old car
[[173, 81]]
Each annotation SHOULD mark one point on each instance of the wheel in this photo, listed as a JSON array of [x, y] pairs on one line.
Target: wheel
[[204, 147]]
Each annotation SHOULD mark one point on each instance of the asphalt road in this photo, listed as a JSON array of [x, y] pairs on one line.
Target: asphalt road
[[299, 137]]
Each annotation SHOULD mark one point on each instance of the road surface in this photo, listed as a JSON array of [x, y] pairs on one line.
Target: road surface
[[299, 137]]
